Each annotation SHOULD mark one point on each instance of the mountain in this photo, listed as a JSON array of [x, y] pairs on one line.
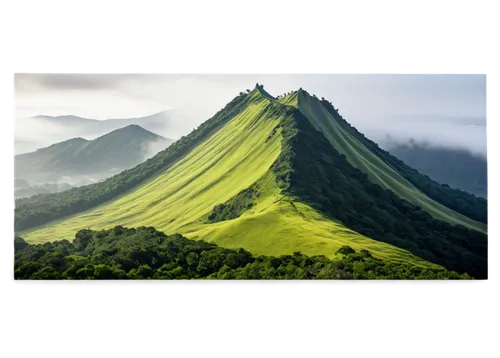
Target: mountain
[[99, 158], [457, 168], [62, 128], [275, 176]]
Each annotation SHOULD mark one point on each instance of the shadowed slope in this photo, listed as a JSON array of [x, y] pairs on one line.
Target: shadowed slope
[[377, 170], [311, 170], [457, 200]]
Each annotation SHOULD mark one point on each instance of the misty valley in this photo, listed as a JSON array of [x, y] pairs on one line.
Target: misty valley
[[270, 187]]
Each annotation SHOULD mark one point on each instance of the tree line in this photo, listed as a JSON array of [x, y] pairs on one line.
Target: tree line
[[145, 253]]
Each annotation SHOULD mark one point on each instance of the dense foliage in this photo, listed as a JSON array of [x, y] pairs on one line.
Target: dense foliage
[[40, 209], [455, 199], [312, 170], [234, 207], [145, 253]]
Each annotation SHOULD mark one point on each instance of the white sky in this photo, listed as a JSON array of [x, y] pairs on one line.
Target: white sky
[[447, 110]]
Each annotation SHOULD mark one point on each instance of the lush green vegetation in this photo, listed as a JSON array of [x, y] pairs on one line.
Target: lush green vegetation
[[454, 167], [43, 208], [235, 206], [312, 170], [455, 199], [144, 253]]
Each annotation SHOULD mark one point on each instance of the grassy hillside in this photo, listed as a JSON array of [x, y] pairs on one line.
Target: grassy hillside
[[122, 148], [457, 200], [144, 253], [260, 176], [457, 168], [377, 170]]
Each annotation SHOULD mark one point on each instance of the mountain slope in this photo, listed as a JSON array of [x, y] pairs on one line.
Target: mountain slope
[[457, 200], [258, 175], [368, 162], [455, 167], [122, 148]]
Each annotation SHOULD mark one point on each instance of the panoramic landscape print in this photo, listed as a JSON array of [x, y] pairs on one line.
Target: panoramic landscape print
[[170, 176]]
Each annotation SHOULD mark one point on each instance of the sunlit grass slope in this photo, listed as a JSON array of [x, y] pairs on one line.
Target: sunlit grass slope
[[376, 169], [236, 157], [277, 224], [229, 161]]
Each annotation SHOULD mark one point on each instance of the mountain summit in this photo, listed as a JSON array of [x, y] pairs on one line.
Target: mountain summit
[[277, 175]]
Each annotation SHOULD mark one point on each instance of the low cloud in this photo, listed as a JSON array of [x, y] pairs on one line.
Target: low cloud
[[152, 148], [455, 133]]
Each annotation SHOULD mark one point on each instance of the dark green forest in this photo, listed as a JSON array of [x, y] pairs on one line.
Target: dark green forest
[[312, 170], [235, 206], [455, 199], [144, 253], [43, 208]]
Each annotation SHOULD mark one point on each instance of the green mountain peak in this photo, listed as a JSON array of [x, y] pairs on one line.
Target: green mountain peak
[[275, 176]]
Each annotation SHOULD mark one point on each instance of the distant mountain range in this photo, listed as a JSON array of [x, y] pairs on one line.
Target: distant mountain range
[[457, 168], [82, 161]]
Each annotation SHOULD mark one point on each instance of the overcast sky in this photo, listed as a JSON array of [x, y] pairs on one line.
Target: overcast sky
[[445, 110]]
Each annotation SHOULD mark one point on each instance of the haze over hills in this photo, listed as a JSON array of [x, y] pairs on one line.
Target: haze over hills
[[456, 167], [61, 128], [275, 176], [78, 161]]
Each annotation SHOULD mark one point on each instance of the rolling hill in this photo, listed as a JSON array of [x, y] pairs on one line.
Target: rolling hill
[[99, 158], [457, 168], [63, 128], [275, 176]]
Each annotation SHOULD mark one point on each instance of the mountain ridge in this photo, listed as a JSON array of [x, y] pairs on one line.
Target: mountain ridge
[[258, 139]]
